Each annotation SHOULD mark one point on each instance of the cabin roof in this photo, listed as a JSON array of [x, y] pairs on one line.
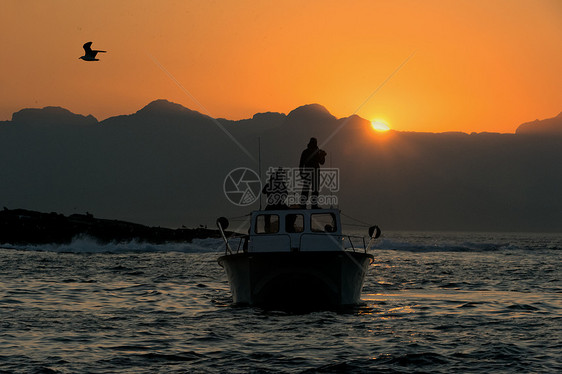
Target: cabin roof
[[296, 211]]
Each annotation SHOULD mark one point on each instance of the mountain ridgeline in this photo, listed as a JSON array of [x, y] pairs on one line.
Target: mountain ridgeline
[[165, 165]]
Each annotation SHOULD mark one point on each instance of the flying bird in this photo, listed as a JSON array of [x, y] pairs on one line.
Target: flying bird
[[89, 53]]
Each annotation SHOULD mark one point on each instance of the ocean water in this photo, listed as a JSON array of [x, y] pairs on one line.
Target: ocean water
[[433, 303]]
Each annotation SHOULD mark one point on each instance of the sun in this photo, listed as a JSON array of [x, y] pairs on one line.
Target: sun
[[380, 125]]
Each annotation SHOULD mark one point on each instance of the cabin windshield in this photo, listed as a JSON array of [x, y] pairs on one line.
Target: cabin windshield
[[267, 224], [323, 222], [294, 223]]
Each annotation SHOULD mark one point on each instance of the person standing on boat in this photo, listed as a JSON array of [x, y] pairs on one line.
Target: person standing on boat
[[309, 166]]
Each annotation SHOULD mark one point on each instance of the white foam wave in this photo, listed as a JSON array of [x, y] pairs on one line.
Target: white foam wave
[[399, 241], [90, 245]]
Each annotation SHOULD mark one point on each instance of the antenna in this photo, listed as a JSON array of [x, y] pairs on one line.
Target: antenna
[[259, 164], [330, 158]]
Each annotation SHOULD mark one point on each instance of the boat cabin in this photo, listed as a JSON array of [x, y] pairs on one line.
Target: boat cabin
[[295, 230], [295, 258]]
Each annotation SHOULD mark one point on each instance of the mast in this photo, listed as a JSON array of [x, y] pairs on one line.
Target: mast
[[259, 165]]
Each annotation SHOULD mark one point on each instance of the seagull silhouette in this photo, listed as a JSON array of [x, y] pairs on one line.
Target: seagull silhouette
[[89, 53]]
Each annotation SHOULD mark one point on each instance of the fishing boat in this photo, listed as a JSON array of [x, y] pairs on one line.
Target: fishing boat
[[296, 257]]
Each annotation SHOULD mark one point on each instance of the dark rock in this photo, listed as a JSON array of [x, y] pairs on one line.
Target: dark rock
[[20, 226]]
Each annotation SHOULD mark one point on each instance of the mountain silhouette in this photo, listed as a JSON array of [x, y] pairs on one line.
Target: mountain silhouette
[[166, 165], [51, 115], [166, 108], [549, 126], [311, 111]]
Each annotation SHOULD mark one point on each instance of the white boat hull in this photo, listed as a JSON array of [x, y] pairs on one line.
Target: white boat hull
[[322, 278]]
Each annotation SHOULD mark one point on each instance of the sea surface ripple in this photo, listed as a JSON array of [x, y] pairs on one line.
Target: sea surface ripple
[[433, 303]]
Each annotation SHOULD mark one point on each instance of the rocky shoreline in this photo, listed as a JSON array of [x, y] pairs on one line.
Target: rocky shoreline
[[20, 226]]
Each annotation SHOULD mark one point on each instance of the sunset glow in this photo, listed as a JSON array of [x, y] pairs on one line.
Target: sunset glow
[[473, 66], [380, 125]]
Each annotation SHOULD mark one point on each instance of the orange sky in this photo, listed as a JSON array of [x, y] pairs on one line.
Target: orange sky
[[477, 65]]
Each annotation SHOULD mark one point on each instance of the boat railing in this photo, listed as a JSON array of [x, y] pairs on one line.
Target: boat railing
[[353, 241], [239, 243], [322, 240]]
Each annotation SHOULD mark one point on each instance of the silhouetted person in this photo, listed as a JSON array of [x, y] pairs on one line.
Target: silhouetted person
[[311, 159]]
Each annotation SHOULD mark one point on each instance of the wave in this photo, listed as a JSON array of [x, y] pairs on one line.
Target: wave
[[86, 244], [398, 241], [442, 247], [470, 242]]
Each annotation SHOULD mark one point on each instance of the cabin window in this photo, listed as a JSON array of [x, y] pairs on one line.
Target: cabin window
[[323, 222], [294, 223], [267, 224]]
